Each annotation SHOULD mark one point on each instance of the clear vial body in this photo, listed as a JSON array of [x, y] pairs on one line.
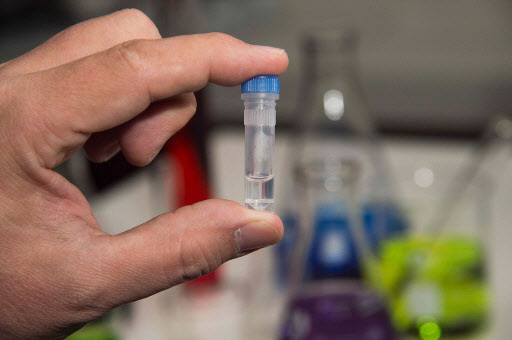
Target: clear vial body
[[259, 120]]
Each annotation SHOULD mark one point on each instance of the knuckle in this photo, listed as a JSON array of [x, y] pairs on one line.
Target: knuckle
[[24, 132], [140, 20], [179, 69], [134, 14], [221, 211], [195, 261], [232, 205], [131, 54], [219, 38]]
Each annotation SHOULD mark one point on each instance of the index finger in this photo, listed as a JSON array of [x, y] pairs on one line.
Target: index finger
[[83, 39], [109, 88]]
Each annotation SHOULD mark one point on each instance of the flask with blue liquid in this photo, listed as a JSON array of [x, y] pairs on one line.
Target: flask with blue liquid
[[334, 125], [330, 223]]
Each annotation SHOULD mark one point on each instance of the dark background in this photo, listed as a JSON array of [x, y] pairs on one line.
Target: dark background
[[428, 69]]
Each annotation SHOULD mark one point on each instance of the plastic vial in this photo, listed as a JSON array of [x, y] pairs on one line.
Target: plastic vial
[[260, 94]]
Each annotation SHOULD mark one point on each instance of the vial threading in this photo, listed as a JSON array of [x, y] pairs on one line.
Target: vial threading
[[259, 121]]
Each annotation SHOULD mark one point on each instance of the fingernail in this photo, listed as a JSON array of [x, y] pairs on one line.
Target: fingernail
[[274, 50], [256, 235], [152, 156], [111, 150]]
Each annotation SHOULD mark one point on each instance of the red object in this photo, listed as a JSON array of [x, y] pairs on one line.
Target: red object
[[189, 180]]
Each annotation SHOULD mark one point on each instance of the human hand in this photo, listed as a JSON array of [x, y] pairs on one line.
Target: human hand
[[109, 84]]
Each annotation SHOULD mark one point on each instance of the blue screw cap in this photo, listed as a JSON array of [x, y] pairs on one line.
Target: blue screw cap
[[261, 84]]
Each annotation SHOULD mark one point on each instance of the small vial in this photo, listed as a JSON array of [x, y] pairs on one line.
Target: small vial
[[260, 94]]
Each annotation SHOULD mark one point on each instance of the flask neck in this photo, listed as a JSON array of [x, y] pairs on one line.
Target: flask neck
[[331, 53], [331, 96], [333, 63]]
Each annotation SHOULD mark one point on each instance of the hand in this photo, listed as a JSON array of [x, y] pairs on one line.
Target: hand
[[109, 84]]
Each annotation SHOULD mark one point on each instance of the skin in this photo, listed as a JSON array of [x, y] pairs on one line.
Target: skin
[[109, 84]]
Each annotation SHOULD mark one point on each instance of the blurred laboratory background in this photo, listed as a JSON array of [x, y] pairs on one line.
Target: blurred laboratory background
[[392, 161]]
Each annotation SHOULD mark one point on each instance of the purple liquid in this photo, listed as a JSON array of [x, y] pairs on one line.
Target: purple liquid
[[337, 310]]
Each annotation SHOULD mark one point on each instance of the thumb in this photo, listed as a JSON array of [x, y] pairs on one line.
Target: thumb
[[176, 247]]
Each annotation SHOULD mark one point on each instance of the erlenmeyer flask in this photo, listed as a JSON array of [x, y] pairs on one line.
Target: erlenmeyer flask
[[383, 218], [436, 280], [333, 115], [330, 225], [334, 123], [332, 105], [323, 303]]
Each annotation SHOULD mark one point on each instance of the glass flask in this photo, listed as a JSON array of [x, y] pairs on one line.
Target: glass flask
[[439, 277], [335, 122], [331, 98], [330, 231], [383, 218], [336, 310], [334, 117], [436, 279], [326, 302]]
